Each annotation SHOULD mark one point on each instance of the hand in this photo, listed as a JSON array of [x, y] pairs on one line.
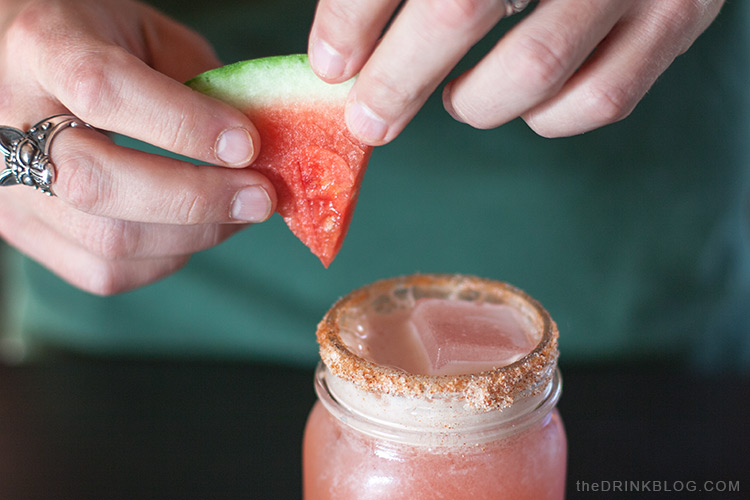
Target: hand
[[122, 218], [568, 67]]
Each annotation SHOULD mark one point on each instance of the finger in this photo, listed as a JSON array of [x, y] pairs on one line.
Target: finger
[[344, 34], [423, 44], [113, 91], [107, 86], [623, 68], [114, 239], [74, 263], [100, 178], [532, 62]]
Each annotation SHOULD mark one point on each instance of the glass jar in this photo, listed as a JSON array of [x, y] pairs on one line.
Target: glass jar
[[379, 432]]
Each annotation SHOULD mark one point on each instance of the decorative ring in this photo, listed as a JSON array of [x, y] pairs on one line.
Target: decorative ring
[[515, 6], [27, 160]]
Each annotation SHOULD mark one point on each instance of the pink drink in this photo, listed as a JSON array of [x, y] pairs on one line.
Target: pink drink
[[341, 464], [439, 336], [436, 387]]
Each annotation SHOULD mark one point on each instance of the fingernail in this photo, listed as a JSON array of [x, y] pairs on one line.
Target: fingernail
[[327, 61], [365, 123], [251, 204], [448, 103], [234, 146]]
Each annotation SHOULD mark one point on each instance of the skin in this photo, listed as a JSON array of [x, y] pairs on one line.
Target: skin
[[121, 218], [567, 67]]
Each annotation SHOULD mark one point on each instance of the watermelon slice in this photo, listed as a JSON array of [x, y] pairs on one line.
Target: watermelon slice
[[308, 154]]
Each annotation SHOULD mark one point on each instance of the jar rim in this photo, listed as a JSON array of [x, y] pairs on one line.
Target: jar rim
[[487, 390], [456, 428]]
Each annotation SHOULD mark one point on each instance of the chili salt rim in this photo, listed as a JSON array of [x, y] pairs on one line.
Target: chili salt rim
[[488, 390]]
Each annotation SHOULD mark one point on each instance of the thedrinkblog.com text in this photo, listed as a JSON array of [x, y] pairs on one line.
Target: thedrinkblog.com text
[[640, 486]]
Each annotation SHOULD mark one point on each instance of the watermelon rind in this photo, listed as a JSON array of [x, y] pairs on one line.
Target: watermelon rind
[[260, 82], [307, 152]]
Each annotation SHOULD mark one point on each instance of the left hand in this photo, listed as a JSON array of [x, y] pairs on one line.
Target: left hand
[[122, 218], [568, 67]]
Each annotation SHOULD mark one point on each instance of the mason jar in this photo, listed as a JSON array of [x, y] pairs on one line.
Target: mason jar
[[385, 427]]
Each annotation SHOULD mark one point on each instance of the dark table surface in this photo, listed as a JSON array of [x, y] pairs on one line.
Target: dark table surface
[[111, 429]]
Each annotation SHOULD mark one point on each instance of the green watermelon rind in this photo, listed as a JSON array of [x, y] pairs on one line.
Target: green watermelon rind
[[300, 114], [263, 82]]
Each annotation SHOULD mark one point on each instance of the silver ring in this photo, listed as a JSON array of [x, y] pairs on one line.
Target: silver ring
[[515, 6], [27, 160]]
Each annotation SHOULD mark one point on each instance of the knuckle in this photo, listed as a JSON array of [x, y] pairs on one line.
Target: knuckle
[[459, 13], [387, 95], [101, 278], [473, 111], [28, 28], [109, 239], [80, 182], [181, 136], [340, 15], [537, 64], [681, 21], [211, 235], [682, 11], [336, 22], [107, 278], [191, 208], [89, 87], [607, 103]]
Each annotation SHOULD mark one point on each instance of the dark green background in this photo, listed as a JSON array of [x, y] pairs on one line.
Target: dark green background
[[635, 236]]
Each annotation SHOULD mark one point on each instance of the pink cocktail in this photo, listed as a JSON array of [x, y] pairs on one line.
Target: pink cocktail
[[433, 387]]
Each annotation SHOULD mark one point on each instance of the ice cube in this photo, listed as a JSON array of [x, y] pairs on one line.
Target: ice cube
[[468, 337]]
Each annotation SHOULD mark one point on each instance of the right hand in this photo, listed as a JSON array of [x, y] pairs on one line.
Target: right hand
[[568, 67], [122, 218]]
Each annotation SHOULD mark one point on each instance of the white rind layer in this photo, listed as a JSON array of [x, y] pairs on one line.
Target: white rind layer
[[261, 82]]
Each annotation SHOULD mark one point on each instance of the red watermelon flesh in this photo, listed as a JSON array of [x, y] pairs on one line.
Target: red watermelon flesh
[[308, 154]]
